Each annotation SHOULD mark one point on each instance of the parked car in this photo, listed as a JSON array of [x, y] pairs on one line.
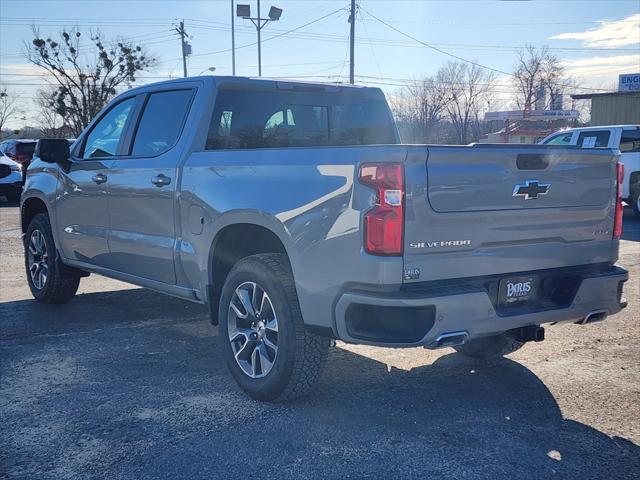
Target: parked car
[[19, 150], [293, 212], [626, 138], [10, 179]]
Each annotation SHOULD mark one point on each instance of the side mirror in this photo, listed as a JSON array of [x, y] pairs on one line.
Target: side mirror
[[53, 150]]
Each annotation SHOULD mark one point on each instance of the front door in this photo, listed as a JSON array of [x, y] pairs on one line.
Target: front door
[[81, 207], [142, 188]]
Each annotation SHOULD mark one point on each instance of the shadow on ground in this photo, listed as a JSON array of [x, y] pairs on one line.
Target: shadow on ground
[[131, 384]]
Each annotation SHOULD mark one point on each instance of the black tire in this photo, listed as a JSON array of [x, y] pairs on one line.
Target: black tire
[[490, 347], [300, 353], [59, 286], [635, 204]]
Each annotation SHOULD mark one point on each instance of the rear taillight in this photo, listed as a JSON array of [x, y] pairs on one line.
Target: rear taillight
[[384, 223], [617, 220]]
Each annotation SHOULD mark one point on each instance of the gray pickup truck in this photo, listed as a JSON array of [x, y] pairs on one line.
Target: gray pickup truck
[[293, 212]]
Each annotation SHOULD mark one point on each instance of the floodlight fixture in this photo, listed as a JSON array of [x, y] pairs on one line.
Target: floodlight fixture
[[243, 11], [274, 13]]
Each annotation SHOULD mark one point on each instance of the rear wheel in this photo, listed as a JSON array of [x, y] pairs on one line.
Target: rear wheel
[[490, 347], [266, 346], [48, 281]]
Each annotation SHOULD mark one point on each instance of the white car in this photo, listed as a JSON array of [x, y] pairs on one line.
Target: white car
[[11, 179], [624, 137]]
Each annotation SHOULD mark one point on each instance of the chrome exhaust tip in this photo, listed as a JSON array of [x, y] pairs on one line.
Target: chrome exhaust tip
[[594, 316], [450, 339]]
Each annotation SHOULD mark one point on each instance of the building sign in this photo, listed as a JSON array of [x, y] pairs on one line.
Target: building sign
[[629, 82], [533, 115]]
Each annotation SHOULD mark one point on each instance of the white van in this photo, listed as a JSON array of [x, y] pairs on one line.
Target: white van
[[624, 137]]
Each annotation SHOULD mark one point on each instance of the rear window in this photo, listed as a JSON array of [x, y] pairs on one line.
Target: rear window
[[630, 141], [263, 119], [594, 138]]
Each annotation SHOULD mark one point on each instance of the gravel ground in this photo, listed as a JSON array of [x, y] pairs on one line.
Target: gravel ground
[[126, 383]]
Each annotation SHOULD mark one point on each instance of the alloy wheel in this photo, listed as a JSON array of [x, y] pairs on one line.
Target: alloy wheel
[[38, 260], [253, 330]]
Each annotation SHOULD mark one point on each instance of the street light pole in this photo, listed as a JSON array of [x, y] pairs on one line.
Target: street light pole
[[244, 11], [352, 32], [233, 42], [259, 27]]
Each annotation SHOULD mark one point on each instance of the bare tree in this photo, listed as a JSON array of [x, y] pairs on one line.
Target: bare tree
[[537, 72], [419, 109], [8, 108], [466, 87], [86, 77], [48, 119]]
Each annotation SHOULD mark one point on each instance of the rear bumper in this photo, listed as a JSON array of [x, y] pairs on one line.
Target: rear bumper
[[421, 318]]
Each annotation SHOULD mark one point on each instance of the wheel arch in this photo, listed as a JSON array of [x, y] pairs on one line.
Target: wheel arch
[[31, 207], [232, 242]]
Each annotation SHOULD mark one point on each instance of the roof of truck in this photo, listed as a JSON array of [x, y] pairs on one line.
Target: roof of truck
[[600, 127], [281, 83]]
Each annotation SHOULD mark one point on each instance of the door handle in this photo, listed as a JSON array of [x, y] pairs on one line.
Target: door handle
[[160, 180], [99, 178]]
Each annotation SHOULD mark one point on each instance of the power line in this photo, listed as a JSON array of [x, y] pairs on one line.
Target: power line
[[449, 54]]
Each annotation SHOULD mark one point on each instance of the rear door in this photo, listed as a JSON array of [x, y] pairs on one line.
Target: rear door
[[142, 188], [491, 209]]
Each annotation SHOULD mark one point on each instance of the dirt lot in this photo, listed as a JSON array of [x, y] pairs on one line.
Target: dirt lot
[[126, 383]]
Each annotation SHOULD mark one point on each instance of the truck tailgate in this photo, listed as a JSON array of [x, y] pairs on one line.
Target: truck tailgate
[[491, 209]]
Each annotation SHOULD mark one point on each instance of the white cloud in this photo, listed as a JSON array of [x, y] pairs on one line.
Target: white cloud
[[599, 66], [609, 34]]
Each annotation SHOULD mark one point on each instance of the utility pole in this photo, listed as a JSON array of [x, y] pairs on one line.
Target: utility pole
[[183, 34], [352, 21], [233, 41]]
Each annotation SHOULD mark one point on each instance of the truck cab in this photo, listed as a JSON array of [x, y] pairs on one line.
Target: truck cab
[[625, 138]]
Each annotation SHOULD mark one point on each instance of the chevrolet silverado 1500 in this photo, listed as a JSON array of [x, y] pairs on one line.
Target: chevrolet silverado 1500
[[293, 212]]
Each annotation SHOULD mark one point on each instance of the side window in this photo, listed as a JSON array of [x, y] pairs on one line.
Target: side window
[[593, 138], [161, 122], [561, 139], [103, 139], [630, 141]]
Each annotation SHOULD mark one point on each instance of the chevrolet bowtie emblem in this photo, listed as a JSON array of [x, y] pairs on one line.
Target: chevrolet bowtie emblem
[[531, 189]]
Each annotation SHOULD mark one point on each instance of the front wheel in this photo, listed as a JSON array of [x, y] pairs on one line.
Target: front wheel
[[266, 346], [47, 281], [490, 347]]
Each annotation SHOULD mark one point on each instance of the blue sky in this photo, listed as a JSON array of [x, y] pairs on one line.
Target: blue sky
[[596, 40]]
